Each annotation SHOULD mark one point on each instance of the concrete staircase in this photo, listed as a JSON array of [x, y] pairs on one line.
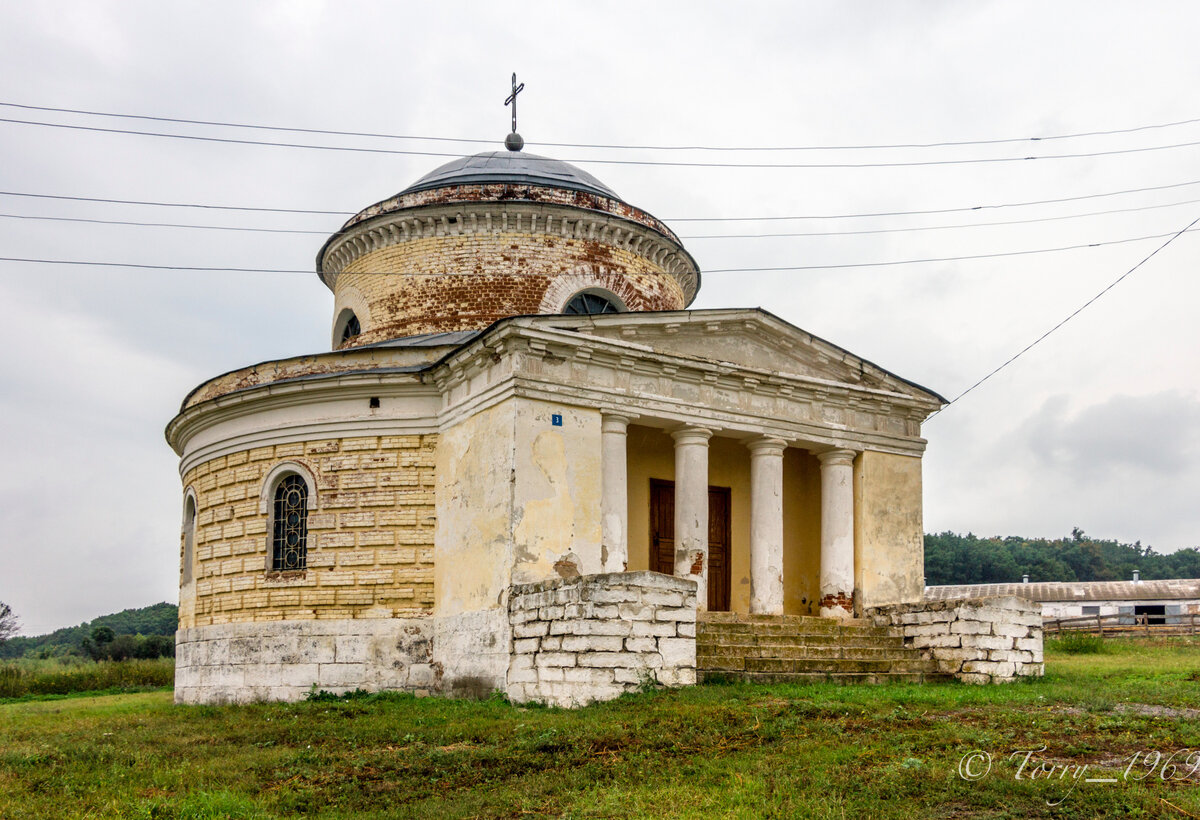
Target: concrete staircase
[[792, 648]]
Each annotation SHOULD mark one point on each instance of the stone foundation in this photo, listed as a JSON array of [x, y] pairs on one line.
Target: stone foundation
[[472, 650], [285, 660], [978, 640], [596, 637]]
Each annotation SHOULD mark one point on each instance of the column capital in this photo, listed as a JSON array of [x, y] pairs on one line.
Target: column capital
[[766, 445], [833, 458], [614, 422], [688, 434]]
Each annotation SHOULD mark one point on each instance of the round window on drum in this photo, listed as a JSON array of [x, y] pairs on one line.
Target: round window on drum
[[588, 303]]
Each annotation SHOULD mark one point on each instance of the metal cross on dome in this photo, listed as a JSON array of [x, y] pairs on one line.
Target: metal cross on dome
[[512, 98]]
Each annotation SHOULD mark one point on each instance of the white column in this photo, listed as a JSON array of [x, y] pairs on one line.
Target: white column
[[691, 508], [837, 533], [766, 526], [614, 494]]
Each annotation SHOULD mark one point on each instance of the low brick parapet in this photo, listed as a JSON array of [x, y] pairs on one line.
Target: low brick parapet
[[977, 640], [596, 637]]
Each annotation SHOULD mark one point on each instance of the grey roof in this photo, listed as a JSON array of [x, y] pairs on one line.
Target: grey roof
[[510, 166], [453, 337], [1075, 590]]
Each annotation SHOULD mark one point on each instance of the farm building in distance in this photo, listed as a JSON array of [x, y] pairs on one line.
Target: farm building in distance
[[1171, 602]]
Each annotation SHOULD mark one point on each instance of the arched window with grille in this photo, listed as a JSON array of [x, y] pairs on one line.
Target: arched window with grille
[[189, 534], [591, 302], [289, 535]]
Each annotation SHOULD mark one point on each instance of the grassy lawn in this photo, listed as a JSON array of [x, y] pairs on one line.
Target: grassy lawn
[[822, 751]]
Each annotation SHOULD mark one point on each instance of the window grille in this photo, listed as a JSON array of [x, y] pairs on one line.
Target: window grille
[[352, 328], [590, 303], [291, 525]]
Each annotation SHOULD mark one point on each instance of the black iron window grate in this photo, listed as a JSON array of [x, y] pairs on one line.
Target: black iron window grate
[[590, 303], [291, 525]]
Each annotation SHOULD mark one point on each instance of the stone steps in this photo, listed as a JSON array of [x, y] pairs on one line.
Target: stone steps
[[825, 677], [851, 653], [793, 648]]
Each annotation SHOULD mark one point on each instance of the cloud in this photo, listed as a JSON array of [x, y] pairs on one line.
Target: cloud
[[1157, 434]]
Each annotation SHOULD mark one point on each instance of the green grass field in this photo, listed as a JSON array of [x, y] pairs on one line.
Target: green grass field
[[822, 751]]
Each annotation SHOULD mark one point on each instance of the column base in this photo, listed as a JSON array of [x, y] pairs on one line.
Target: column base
[[839, 605]]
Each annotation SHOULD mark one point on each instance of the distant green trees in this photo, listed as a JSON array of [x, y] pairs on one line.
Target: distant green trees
[[10, 624], [951, 558], [148, 632]]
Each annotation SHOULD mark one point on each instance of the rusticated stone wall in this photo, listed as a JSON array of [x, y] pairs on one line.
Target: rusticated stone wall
[[370, 534]]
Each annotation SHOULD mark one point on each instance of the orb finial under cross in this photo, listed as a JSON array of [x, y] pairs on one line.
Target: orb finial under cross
[[513, 141]]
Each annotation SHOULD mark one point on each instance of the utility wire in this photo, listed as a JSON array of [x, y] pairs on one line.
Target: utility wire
[[93, 221], [937, 227], [660, 163], [191, 204], [217, 269], [895, 262], [1076, 312], [946, 144], [675, 219], [163, 224]]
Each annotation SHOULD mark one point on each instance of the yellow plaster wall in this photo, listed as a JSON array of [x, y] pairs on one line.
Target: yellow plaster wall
[[556, 496], [651, 454], [474, 504], [889, 545], [518, 501], [370, 534], [801, 532]]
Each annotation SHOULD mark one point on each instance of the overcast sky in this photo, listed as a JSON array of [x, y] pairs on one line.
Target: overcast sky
[[1097, 427]]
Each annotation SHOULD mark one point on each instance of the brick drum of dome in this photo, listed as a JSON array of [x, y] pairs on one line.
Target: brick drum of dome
[[462, 256]]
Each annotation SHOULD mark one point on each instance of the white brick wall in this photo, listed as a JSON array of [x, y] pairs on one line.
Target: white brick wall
[[595, 637], [978, 640]]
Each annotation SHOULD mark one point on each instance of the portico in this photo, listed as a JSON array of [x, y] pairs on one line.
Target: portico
[[791, 546]]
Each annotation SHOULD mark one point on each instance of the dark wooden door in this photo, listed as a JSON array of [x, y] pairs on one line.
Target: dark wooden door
[[662, 538], [719, 572]]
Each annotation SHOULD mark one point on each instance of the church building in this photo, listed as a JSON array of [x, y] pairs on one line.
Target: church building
[[525, 465]]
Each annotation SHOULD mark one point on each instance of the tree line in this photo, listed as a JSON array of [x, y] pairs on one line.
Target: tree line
[[147, 632], [951, 558]]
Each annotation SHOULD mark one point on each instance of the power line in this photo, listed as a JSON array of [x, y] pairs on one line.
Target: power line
[[162, 224], [219, 269], [1075, 313], [926, 212], [660, 163], [893, 263], [374, 135], [184, 204], [133, 223], [939, 227]]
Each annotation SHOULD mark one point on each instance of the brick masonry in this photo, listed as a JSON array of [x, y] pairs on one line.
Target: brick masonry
[[462, 282], [978, 640], [370, 534], [596, 637]]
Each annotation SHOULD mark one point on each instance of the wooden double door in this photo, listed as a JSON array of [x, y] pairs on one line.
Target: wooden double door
[[662, 538]]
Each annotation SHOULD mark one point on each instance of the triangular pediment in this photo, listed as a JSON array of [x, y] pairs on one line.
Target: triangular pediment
[[745, 338]]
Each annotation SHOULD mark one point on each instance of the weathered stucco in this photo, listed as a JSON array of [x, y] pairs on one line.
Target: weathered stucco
[[556, 493], [473, 539], [889, 546], [518, 500]]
